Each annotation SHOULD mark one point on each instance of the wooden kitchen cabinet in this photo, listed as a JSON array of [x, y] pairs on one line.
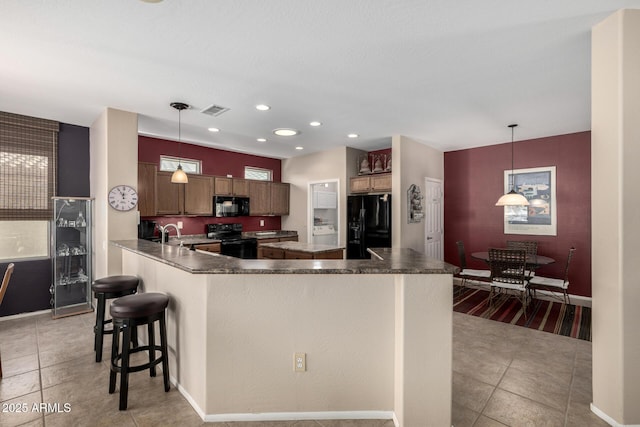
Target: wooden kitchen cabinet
[[240, 187], [198, 195], [169, 196], [147, 188], [269, 198], [280, 198], [370, 183], [209, 247], [231, 186], [266, 252]]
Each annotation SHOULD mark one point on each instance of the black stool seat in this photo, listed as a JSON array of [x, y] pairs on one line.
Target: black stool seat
[[141, 305], [128, 313], [108, 288], [115, 284]]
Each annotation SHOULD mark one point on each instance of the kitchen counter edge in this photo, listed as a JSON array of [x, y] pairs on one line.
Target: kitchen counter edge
[[387, 261]]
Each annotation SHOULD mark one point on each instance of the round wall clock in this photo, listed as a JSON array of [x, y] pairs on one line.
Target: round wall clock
[[123, 198]]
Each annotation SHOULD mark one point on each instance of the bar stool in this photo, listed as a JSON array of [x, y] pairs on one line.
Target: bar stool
[[109, 288], [128, 313]]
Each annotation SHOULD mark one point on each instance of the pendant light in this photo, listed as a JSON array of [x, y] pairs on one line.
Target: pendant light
[[512, 198], [179, 176]]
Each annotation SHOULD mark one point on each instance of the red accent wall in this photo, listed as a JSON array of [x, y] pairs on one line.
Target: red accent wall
[[214, 162], [474, 180]]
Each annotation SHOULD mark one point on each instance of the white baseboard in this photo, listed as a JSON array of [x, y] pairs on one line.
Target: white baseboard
[[284, 416], [23, 315], [300, 416], [607, 419]]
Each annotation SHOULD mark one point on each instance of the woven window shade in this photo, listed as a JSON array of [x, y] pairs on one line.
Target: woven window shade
[[28, 159]]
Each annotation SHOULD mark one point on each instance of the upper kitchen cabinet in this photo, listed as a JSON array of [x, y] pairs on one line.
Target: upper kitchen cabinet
[[231, 186], [198, 195], [169, 196], [269, 198], [147, 189], [370, 183]]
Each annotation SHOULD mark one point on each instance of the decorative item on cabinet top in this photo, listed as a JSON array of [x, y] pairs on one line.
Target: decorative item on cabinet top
[[414, 204], [372, 163]]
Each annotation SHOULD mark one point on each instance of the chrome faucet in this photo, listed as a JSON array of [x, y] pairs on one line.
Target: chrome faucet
[[163, 231]]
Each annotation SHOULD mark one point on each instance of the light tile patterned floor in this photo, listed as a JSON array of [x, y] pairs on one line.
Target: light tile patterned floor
[[502, 376]]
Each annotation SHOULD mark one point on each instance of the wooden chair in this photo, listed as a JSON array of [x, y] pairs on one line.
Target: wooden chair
[[3, 290], [470, 273], [508, 274], [551, 284]]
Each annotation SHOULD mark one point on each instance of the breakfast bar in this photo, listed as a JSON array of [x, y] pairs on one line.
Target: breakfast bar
[[376, 334]]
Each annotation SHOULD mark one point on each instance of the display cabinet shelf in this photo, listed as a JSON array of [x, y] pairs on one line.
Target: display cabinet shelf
[[71, 242]]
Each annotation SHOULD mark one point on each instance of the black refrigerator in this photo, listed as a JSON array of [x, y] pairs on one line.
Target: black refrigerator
[[368, 224]]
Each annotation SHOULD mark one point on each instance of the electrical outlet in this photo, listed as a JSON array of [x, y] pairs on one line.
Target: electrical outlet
[[262, 223], [180, 225], [299, 362]]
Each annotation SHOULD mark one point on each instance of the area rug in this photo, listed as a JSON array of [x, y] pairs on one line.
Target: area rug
[[549, 316]]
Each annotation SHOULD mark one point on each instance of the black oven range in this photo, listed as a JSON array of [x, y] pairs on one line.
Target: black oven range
[[231, 241]]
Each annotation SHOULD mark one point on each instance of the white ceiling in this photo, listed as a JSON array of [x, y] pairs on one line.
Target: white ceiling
[[451, 74]]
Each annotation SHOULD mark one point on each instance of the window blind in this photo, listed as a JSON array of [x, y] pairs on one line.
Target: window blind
[[28, 159]]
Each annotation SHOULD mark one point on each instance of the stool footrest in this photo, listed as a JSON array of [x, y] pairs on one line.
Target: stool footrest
[[115, 367]]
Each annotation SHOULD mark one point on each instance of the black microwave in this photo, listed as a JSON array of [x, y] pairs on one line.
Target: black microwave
[[230, 206]]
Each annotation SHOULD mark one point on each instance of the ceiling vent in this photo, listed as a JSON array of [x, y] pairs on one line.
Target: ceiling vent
[[214, 110]]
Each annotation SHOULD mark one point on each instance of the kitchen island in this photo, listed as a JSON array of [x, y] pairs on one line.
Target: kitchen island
[[299, 250], [376, 333]]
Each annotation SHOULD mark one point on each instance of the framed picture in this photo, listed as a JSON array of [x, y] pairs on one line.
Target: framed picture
[[538, 185]]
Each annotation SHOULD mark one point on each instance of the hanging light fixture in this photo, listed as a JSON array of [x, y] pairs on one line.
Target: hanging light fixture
[[512, 198], [179, 176]]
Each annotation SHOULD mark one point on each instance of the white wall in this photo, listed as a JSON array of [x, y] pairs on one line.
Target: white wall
[[615, 203], [299, 171], [114, 161], [412, 162]]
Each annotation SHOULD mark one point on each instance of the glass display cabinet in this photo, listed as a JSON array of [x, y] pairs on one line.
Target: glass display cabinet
[[71, 256]]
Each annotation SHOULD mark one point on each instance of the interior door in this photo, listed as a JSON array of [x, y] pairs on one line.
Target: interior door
[[434, 223]]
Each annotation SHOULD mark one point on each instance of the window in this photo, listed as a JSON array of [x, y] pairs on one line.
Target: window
[[170, 164], [260, 174], [28, 148]]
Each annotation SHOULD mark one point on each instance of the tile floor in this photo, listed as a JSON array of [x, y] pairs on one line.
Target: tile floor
[[502, 376]]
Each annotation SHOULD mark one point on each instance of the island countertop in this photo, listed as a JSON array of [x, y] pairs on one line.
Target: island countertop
[[312, 248], [385, 261]]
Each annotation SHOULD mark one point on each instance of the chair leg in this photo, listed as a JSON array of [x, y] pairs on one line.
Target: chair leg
[[152, 348], [114, 354], [124, 372], [98, 329], [165, 353]]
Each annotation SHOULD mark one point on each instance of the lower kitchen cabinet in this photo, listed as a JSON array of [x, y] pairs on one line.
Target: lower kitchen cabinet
[[209, 247], [273, 253]]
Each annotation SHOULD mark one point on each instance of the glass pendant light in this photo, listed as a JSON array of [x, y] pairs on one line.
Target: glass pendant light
[[512, 198], [179, 176]]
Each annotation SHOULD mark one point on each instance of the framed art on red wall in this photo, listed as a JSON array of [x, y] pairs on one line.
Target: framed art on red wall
[[538, 185]]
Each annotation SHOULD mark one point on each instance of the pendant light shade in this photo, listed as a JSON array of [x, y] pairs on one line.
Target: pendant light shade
[[512, 198], [179, 176]]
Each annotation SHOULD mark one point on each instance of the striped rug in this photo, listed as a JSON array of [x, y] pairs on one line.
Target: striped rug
[[549, 316]]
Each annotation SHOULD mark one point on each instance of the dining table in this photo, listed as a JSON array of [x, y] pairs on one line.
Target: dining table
[[532, 260]]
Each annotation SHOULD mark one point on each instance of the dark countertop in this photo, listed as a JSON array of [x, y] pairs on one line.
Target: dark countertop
[[197, 239], [393, 261], [302, 247]]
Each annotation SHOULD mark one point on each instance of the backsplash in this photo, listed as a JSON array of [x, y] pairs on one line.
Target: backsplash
[[195, 225]]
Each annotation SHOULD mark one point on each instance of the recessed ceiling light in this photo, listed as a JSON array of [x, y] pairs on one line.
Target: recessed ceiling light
[[315, 124], [261, 140], [262, 107], [286, 132], [299, 148], [353, 135], [214, 130]]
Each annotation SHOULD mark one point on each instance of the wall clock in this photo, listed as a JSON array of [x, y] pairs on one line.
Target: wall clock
[[123, 198]]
